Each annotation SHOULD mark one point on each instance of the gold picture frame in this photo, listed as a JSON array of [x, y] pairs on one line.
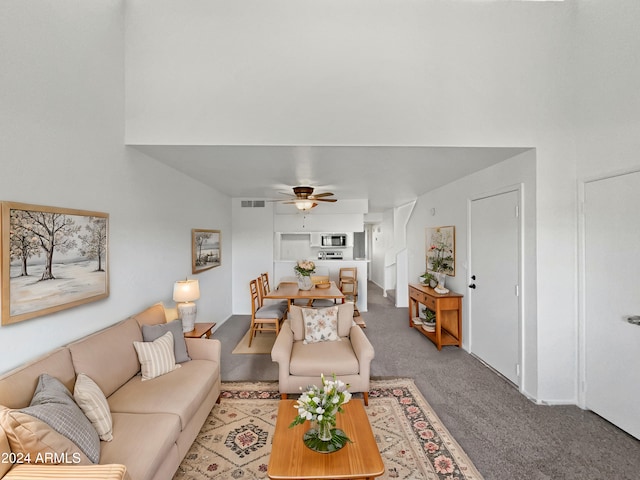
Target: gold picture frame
[[441, 243], [52, 259], [206, 249]]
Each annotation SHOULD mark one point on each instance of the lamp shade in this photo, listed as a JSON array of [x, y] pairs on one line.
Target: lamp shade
[[186, 291]]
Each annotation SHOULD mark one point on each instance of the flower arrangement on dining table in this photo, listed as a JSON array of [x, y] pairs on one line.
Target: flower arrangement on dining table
[[321, 404], [305, 267]]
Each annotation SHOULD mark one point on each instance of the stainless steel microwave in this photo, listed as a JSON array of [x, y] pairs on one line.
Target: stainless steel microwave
[[334, 240]]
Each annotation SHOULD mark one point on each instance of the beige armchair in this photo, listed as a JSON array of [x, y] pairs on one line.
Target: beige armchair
[[300, 364]]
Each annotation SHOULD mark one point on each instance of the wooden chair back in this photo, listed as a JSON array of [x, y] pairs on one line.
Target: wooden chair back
[[255, 297]]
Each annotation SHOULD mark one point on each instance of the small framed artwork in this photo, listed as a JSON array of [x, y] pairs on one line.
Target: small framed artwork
[[52, 259], [205, 250], [441, 249]]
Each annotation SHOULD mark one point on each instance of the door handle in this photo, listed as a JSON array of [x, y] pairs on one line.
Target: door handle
[[473, 285], [634, 319]]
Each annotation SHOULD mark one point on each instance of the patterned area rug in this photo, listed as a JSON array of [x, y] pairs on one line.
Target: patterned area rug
[[235, 441]]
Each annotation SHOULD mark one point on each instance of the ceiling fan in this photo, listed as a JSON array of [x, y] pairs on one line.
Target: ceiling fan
[[304, 199]]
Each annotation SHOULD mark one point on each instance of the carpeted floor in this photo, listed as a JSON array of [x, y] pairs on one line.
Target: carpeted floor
[[235, 441], [506, 435]]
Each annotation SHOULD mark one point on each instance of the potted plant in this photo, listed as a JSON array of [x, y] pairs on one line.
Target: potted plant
[[429, 279], [429, 322]]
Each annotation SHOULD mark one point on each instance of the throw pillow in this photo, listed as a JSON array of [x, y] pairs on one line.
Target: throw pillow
[[31, 438], [157, 357], [320, 324], [152, 332], [54, 405], [93, 403]]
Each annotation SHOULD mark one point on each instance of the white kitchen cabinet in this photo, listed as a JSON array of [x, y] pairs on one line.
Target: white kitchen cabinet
[[316, 239]]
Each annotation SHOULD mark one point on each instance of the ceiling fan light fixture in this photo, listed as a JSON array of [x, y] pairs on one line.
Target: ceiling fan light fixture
[[305, 204]]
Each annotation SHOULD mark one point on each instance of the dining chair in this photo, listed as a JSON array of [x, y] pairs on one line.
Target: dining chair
[[321, 302], [264, 288], [263, 319], [348, 284]]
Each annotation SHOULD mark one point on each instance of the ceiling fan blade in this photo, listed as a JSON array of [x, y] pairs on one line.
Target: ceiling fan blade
[[325, 199], [319, 195]]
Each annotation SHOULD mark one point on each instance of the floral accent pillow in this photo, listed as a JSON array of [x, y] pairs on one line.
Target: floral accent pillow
[[320, 324]]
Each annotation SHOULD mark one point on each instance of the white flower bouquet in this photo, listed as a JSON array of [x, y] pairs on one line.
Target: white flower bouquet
[[321, 405]]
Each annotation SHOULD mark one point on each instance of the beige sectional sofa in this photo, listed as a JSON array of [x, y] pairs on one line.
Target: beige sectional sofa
[[154, 422]]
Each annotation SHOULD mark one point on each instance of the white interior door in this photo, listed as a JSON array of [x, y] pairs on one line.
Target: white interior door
[[612, 294], [494, 271]]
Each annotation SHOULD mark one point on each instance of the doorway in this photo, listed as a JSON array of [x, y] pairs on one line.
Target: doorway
[[611, 299], [494, 282]]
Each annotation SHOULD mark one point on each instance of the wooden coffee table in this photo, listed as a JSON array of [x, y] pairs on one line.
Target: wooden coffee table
[[290, 459]]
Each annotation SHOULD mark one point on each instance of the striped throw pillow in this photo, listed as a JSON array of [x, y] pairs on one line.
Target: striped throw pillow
[[93, 403], [156, 358]]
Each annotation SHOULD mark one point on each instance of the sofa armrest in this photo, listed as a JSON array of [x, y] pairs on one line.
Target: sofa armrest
[[361, 346], [281, 350], [204, 349], [27, 471]]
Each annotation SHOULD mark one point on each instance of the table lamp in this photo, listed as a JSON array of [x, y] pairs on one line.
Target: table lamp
[[184, 293]]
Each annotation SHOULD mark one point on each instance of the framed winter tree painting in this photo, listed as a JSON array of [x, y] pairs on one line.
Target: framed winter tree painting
[[52, 259]]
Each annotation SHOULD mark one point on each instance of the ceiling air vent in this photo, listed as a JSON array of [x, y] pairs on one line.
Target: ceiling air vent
[[252, 203]]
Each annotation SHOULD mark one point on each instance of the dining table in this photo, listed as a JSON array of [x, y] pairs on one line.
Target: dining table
[[289, 291]]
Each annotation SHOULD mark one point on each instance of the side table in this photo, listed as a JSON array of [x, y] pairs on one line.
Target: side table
[[201, 329]]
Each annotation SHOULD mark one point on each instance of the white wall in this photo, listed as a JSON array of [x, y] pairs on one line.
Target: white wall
[[557, 76], [451, 208], [61, 131], [253, 245], [607, 116]]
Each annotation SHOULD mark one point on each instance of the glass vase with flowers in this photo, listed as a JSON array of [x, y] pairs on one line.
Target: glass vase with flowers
[[304, 269], [320, 405]]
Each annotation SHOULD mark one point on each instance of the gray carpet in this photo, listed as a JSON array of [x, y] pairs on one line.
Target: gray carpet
[[505, 435]]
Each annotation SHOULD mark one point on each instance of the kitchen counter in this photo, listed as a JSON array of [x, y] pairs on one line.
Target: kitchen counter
[[283, 271]]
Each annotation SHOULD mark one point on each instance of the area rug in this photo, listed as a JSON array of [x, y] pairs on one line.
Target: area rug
[[262, 343], [235, 440]]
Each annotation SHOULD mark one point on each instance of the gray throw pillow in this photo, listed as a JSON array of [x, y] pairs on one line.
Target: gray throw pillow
[[153, 332], [54, 405]]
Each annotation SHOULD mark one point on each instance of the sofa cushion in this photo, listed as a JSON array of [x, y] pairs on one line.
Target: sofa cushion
[[144, 442], [93, 403], [325, 357], [152, 332], [27, 435], [108, 356], [180, 392], [320, 324], [153, 315], [53, 404], [156, 358], [17, 386]]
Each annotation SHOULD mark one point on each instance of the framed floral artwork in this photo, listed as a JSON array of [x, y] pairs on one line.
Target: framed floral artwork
[[205, 250], [52, 259], [441, 250]]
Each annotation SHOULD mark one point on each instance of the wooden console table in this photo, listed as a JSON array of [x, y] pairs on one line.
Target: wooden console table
[[448, 308]]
